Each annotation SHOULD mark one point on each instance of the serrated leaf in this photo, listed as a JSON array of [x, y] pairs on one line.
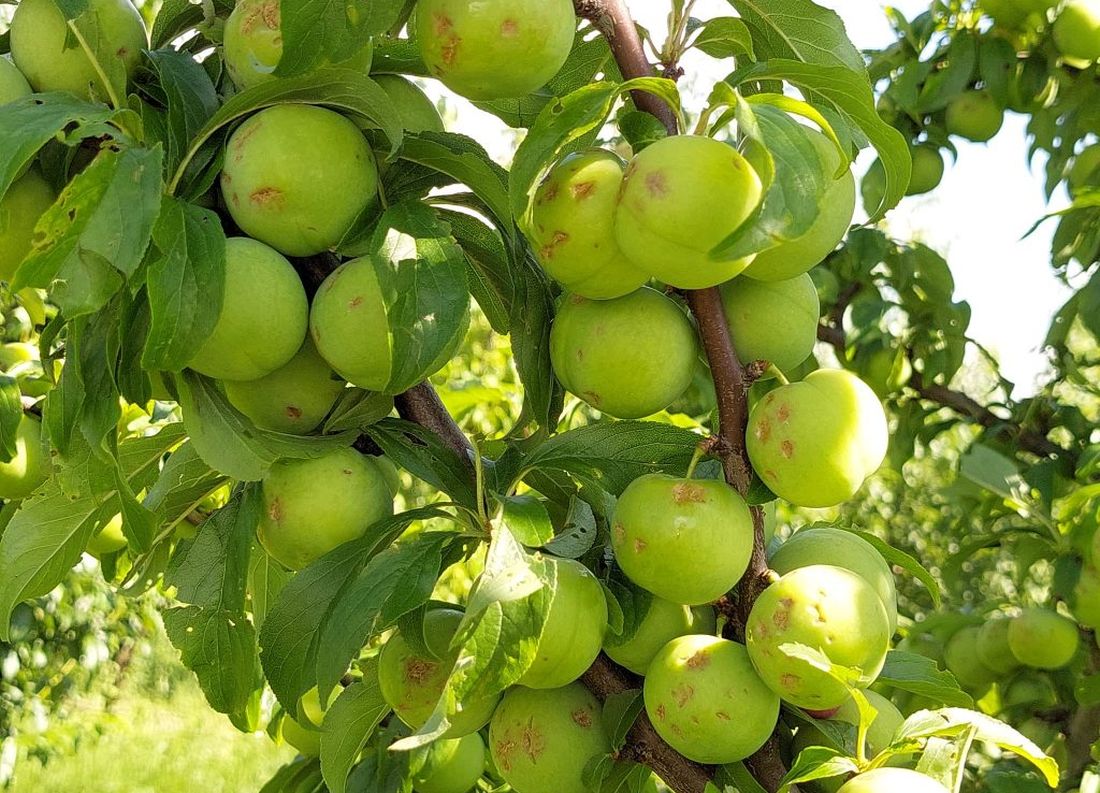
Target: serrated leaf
[[799, 30], [920, 675], [421, 452], [11, 414], [318, 32], [903, 560], [620, 711], [219, 646], [528, 520], [266, 579], [348, 725], [818, 762], [186, 91], [184, 481], [724, 37]]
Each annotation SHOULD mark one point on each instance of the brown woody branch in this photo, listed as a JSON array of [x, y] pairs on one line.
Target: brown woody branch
[[1084, 727]]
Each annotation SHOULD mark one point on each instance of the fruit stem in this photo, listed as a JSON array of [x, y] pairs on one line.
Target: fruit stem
[[479, 484], [700, 451], [777, 373], [112, 95]]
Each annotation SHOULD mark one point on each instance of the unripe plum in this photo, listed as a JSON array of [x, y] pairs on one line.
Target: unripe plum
[[52, 60], [663, 622], [263, 318], [28, 197], [1085, 172], [974, 115], [706, 700], [1029, 690], [451, 766], [311, 708], [1077, 30], [992, 646], [412, 684], [1043, 639], [1009, 13], [829, 609], [294, 398], [835, 210], [494, 49], [873, 187], [29, 466], [13, 85], [774, 321], [884, 369], [927, 169], [826, 545], [297, 177], [892, 780], [541, 740], [312, 506], [108, 539], [307, 741], [815, 442], [572, 227], [685, 540], [415, 110], [960, 657], [628, 357], [574, 629], [682, 196], [1039, 731], [880, 733], [1087, 598]]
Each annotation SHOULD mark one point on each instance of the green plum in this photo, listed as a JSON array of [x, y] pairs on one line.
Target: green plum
[[1085, 172], [297, 177], [29, 466], [311, 708], [16, 352], [1008, 13], [681, 197], [774, 321], [974, 115], [312, 506], [960, 657], [829, 609], [350, 325], [451, 766], [815, 442], [1039, 731], [892, 780], [263, 317], [542, 740], [1043, 639], [1077, 30], [1087, 598], [50, 57], [881, 731], [628, 357], [685, 540], [927, 169], [663, 622], [306, 740], [1029, 690], [706, 700], [28, 197], [883, 368], [412, 684], [872, 189], [992, 646], [295, 398], [826, 545], [836, 207], [572, 223], [13, 85], [574, 629], [494, 49], [417, 112], [108, 538]]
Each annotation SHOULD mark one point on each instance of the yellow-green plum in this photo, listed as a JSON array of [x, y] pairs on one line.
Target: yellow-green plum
[[306, 740], [974, 115], [826, 545], [415, 110], [572, 224], [1077, 30], [29, 466], [892, 780], [574, 629], [706, 700], [883, 368], [541, 740], [685, 540], [827, 608], [451, 766], [1029, 690], [16, 352], [13, 85], [263, 317], [1086, 606], [412, 684], [835, 210], [927, 169], [881, 731], [960, 657], [108, 538], [297, 177], [494, 49], [992, 646], [312, 506], [628, 357], [682, 196], [28, 197], [1043, 639], [52, 60], [350, 327], [311, 708], [663, 622], [1085, 172], [774, 321], [1039, 731], [294, 398], [814, 442]]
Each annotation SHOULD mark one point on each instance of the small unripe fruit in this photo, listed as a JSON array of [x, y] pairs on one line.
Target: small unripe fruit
[[263, 318], [45, 51], [412, 684], [1029, 690], [1043, 639], [960, 656], [1039, 731], [883, 368], [1077, 30], [541, 741], [974, 115], [20, 208], [311, 708], [881, 731], [305, 740], [892, 780], [28, 468], [1085, 172], [706, 700], [1086, 593], [927, 169], [827, 608], [572, 227], [108, 539], [494, 49], [451, 766], [685, 540], [663, 622], [992, 646], [297, 177], [13, 85], [815, 442], [774, 321], [825, 545], [312, 506], [681, 197], [629, 357], [415, 110]]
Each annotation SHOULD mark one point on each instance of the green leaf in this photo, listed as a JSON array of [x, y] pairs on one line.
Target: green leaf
[[11, 414], [944, 760], [357, 410], [528, 520], [348, 725], [901, 559], [724, 37], [818, 762], [184, 88], [990, 469], [219, 646], [529, 331], [301, 776], [798, 30], [266, 579], [184, 481], [318, 32], [176, 17], [620, 711], [920, 675], [424, 455]]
